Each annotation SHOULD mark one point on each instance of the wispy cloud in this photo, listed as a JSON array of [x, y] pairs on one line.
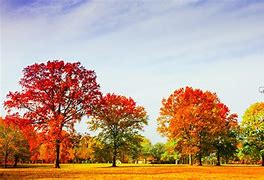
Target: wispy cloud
[[143, 49]]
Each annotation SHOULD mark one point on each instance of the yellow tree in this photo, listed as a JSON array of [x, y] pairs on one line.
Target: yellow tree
[[85, 149], [12, 143], [253, 128]]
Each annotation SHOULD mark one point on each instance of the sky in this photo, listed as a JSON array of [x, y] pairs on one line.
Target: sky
[[142, 49]]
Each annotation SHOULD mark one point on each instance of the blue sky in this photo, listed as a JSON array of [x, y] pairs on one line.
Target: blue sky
[[142, 49]]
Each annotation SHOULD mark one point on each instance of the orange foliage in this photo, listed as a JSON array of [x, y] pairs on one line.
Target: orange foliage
[[193, 118]]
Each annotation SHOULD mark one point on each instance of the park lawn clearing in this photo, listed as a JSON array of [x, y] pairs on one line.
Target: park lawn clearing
[[132, 171]]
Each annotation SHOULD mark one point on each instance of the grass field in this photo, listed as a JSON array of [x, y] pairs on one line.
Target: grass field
[[132, 171]]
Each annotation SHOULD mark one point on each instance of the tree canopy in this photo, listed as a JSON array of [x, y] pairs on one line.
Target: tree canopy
[[119, 120], [253, 129], [54, 96], [194, 119]]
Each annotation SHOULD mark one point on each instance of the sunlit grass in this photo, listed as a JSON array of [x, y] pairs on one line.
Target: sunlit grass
[[132, 171]]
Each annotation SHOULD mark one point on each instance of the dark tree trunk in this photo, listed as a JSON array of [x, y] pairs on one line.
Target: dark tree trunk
[[114, 160], [16, 160], [5, 161], [114, 154], [200, 159], [57, 161], [218, 158], [262, 157]]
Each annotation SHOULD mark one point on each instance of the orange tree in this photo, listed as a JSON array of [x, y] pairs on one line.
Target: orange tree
[[119, 120], [54, 96], [194, 119]]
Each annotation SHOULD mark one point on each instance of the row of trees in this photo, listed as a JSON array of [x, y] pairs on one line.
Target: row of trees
[[77, 148], [56, 95]]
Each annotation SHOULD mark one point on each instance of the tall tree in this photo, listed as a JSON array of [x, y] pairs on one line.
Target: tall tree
[[193, 118], [119, 120], [54, 96], [253, 127]]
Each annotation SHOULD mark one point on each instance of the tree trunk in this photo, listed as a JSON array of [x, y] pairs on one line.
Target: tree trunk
[[190, 159], [114, 160], [262, 157], [200, 159], [57, 161], [218, 158], [5, 161], [15, 161], [114, 154]]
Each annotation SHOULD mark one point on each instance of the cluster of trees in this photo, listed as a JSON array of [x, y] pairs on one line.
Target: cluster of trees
[[203, 127], [55, 95]]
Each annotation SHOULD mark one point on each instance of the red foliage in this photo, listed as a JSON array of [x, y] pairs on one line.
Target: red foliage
[[121, 111], [54, 96]]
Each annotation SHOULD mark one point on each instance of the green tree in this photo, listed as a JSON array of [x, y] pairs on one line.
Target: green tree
[[170, 153], [226, 142], [157, 150], [253, 130], [146, 147], [135, 148], [102, 151]]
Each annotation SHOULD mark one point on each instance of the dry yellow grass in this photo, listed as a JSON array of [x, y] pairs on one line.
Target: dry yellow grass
[[131, 171]]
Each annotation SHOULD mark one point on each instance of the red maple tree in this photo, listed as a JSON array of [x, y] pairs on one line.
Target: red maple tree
[[54, 96]]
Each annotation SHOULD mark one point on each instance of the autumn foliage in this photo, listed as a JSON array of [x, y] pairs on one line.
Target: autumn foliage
[[194, 119], [13, 145], [119, 119], [54, 96], [253, 130], [31, 135]]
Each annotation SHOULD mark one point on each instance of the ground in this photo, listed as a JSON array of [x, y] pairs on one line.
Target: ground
[[132, 171]]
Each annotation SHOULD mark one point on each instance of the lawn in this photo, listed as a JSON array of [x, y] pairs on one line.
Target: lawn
[[132, 171]]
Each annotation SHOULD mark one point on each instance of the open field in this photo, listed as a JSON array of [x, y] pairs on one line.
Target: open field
[[132, 171]]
